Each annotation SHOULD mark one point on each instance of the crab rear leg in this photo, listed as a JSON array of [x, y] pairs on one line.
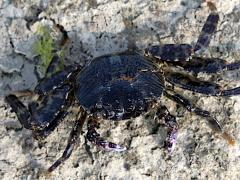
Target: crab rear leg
[[170, 52], [207, 65], [214, 124], [183, 52], [172, 125], [207, 32], [71, 141], [193, 84], [94, 137], [210, 65]]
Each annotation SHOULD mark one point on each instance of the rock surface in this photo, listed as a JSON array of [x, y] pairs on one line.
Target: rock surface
[[98, 27]]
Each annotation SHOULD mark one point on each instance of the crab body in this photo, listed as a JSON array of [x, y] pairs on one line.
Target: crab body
[[120, 86]]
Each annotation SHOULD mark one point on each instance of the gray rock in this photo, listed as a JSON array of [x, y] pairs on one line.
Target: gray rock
[[27, 48], [6, 48], [10, 64]]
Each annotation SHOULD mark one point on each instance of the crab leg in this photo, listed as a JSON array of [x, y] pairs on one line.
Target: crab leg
[[71, 141], [193, 84], [172, 125], [94, 137], [207, 32], [207, 65], [183, 52], [214, 124], [20, 109], [170, 52]]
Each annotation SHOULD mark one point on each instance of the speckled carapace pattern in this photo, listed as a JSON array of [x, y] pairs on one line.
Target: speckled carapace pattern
[[121, 86]]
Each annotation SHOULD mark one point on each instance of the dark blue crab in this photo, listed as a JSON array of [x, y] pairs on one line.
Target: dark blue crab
[[123, 86]]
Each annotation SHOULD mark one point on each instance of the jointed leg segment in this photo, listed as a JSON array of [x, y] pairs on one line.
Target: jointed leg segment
[[71, 141], [20, 109], [184, 52], [171, 124], [94, 137], [193, 84], [206, 65], [184, 55], [208, 30], [214, 124]]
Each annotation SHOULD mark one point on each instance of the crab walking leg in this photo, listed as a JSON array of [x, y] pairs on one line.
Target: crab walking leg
[[94, 137], [20, 109], [214, 124], [193, 84], [179, 54], [169, 52], [183, 52], [207, 32], [171, 123], [71, 141], [206, 65], [210, 65]]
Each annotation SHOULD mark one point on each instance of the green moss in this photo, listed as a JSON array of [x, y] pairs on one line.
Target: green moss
[[45, 46]]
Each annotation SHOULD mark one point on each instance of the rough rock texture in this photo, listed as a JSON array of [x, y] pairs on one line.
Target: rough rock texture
[[98, 27]]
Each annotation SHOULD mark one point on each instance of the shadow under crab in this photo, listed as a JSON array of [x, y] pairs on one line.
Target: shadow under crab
[[123, 86]]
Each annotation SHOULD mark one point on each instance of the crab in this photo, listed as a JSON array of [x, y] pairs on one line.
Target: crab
[[124, 86]]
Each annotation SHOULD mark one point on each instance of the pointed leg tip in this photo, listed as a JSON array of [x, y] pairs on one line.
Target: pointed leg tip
[[54, 165], [170, 146], [44, 174], [171, 143], [116, 147], [50, 170], [170, 150], [229, 138], [120, 149]]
